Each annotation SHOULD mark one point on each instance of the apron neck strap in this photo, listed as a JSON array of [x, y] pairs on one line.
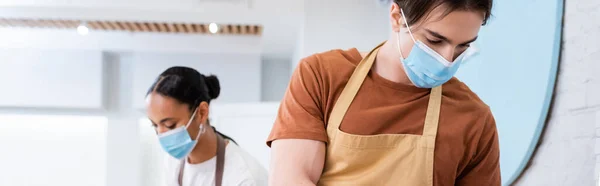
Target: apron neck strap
[[433, 113], [355, 82], [220, 162], [347, 96]]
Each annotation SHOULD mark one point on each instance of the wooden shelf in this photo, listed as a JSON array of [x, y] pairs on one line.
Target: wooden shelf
[[128, 26]]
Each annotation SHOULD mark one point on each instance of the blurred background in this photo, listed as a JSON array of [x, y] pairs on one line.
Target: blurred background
[[73, 77]]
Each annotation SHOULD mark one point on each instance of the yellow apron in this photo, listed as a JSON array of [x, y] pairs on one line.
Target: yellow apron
[[384, 159]]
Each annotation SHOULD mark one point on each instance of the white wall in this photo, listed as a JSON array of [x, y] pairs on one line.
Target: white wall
[[241, 11], [123, 149], [275, 77], [125, 41], [248, 124], [342, 24], [52, 150], [298, 53], [566, 155], [51, 78], [75, 123], [280, 23], [152, 167]]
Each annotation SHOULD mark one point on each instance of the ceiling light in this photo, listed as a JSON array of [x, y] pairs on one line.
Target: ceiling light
[[82, 29], [213, 28]]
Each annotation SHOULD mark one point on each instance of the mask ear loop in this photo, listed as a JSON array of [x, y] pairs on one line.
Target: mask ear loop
[[398, 44], [407, 27], [202, 129], [192, 118], [409, 32]]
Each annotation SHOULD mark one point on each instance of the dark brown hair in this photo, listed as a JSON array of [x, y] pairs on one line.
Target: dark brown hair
[[415, 10], [187, 86]]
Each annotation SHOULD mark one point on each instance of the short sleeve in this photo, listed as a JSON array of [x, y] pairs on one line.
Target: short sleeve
[[484, 167], [300, 114]]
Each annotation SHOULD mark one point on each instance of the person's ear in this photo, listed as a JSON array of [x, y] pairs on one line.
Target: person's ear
[[203, 112], [395, 17]]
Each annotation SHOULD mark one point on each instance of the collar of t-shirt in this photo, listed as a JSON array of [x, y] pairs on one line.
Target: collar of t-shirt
[[206, 166]]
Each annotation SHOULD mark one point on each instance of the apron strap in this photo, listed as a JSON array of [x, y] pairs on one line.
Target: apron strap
[[220, 160], [427, 140], [180, 180], [433, 113], [355, 82], [430, 130], [220, 163], [347, 96]]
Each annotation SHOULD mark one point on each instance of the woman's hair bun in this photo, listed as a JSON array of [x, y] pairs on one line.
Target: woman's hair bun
[[214, 88]]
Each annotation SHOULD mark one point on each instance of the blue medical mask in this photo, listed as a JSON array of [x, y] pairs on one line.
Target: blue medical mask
[[425, 67], [177, 142]]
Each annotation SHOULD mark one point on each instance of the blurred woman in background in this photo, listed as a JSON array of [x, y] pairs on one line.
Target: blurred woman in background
[[177, 103]]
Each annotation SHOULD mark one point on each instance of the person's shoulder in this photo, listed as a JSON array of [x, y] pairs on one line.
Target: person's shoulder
[[458, 93], [328, 70], [244, 166], [332, 61], [467, 109]]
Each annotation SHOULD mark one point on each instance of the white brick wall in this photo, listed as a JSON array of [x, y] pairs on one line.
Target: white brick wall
[[566, 155]]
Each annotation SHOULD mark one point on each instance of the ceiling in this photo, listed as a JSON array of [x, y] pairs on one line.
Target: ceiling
[[134, 27], [280, 19]]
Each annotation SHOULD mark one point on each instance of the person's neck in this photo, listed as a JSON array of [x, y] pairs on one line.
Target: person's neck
[[205, 149], [388, 65]]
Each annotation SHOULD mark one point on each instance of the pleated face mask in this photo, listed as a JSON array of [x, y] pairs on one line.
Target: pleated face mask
[[177, 142], [425, 67]]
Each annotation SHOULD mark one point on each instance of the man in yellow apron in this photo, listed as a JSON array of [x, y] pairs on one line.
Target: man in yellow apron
[[393, 116]]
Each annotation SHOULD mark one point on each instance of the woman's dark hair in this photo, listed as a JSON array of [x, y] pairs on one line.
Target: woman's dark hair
[[187, 86], [415, 10]]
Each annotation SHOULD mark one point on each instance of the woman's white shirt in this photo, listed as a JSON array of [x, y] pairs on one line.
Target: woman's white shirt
[[240, 169]]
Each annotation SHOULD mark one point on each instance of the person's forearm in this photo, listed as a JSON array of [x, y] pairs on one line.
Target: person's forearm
[[292, 182]]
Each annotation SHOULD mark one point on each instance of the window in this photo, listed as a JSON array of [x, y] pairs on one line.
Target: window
[[53, 150]]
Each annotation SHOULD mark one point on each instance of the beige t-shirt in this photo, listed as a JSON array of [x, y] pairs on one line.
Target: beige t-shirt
[[466, 152]]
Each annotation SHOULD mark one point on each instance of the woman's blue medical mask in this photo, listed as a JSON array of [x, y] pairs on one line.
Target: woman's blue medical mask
[[177, 142], [425, 67]]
